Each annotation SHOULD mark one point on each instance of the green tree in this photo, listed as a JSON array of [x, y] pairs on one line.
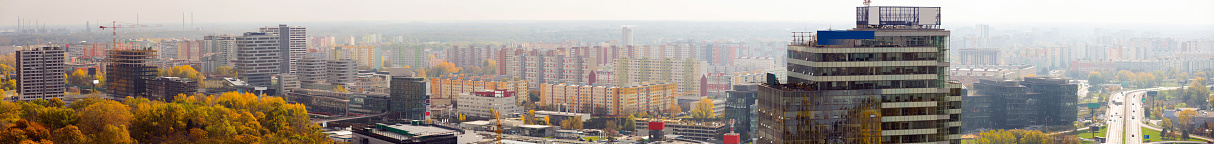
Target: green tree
[[1095, 78], [56, 117], [1167, 125]]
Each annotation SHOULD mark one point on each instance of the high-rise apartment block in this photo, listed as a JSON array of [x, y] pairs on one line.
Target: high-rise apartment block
[[365, 56], [328, 71], [311, 70], [292, 42], [885, 81], [412, 56], [341, 71], [609, 100], [975, 56], [129, 72], [549, 66], [626, 36], [40, 72], [258, 56], [470, 56], [221, 48], [687, 73]]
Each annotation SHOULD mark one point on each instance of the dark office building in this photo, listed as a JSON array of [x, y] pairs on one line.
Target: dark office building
[[1009, 104], [740, 106], [409, 98], [1056, 97], [128, 72], [884, 81], [167, 88]]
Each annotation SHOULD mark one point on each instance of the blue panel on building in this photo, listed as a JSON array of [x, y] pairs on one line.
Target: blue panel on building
[[833, 37]]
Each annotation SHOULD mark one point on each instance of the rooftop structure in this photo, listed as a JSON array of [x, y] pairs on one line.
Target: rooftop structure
[[406, 134]]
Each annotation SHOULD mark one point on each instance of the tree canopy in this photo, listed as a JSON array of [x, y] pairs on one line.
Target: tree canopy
[[225, 118]]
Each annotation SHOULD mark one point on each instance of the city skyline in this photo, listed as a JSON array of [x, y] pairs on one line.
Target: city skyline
[[833, 12]]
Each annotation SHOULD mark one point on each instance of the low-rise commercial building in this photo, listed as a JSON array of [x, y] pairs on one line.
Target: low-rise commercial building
[[406, 134], [482, 103], [558, 117], [330, 102], [447, 88], [705, 131], [1008, 104], [167, 88]]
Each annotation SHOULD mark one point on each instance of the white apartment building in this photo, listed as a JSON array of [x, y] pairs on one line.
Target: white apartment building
[[258, 58], [479, 104], [40, 72], [294, 44]]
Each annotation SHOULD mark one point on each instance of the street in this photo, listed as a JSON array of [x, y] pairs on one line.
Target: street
[[1125, 113]]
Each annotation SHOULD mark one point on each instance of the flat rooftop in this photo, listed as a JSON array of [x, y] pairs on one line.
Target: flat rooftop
[[415, 130]]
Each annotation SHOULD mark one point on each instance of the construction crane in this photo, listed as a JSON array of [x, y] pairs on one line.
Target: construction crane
[[114, 29], [498, 128]]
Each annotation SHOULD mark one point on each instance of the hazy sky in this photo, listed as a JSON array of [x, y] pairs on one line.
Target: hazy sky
[[825, 11]]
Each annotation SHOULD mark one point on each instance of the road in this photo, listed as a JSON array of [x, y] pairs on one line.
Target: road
[[1114, 118], [1125, 113]]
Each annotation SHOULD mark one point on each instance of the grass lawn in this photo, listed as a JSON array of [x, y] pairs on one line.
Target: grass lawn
[[973, 141], [1155, 136], [1088, 134], [594, 138]]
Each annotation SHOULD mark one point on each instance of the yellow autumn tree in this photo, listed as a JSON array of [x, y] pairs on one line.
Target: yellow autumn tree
[[674, 109], [703, 109]]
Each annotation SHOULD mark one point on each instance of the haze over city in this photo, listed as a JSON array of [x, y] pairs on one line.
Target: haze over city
[[628, 71]]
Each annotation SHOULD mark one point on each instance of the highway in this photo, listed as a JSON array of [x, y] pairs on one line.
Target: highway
[[1125, 113]]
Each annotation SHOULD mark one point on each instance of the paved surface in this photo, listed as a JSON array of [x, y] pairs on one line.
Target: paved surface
[[527, 138], [1114, 118], [346, 118], [1170, 142], [1125, 113]]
